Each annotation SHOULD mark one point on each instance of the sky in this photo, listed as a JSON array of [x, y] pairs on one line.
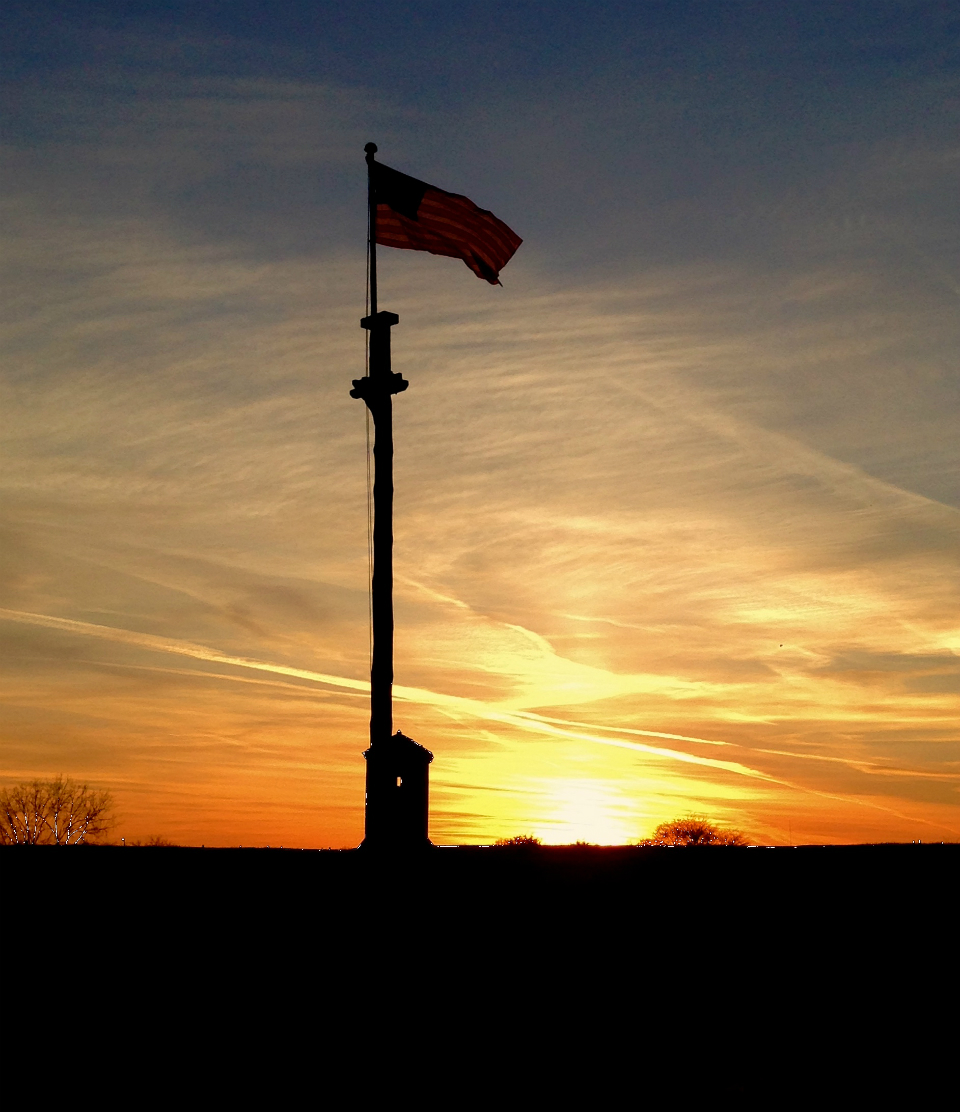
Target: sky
[[677, 507]]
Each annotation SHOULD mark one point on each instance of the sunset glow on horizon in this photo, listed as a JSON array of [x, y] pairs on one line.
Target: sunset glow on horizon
[[677, 508]]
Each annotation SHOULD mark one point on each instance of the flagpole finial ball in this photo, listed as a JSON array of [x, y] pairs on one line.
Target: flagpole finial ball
[[371, 148]]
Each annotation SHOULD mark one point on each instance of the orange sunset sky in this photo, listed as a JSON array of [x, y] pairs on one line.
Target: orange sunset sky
[[677, 523]]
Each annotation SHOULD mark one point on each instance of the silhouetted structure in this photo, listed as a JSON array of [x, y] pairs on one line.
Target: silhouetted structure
[[397, 796]]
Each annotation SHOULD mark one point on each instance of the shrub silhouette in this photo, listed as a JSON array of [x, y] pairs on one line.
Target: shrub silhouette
[[694, 830], [520, 841]]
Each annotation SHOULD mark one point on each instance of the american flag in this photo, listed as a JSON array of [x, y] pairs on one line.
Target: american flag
[[420, 217]]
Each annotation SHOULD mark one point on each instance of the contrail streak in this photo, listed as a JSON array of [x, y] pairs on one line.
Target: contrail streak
[[417, 695], [169, 645], [622, 729]]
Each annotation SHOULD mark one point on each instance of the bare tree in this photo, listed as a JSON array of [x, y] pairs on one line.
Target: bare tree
[[24, 814], [60, 812], [694, 830]]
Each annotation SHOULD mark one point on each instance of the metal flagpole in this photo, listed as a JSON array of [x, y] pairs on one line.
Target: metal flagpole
[[377, 391], [371, 150]]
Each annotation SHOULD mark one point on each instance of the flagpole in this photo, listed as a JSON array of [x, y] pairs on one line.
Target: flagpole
[[377, 391], [371, 150]]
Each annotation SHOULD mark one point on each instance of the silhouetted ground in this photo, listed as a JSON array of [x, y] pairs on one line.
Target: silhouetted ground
[[496, 973]]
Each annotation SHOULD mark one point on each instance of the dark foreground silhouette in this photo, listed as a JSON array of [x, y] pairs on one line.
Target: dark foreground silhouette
[[478, 977]]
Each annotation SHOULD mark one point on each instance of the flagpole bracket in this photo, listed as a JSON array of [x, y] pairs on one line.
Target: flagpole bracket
[[372, 388], [379, 320]]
